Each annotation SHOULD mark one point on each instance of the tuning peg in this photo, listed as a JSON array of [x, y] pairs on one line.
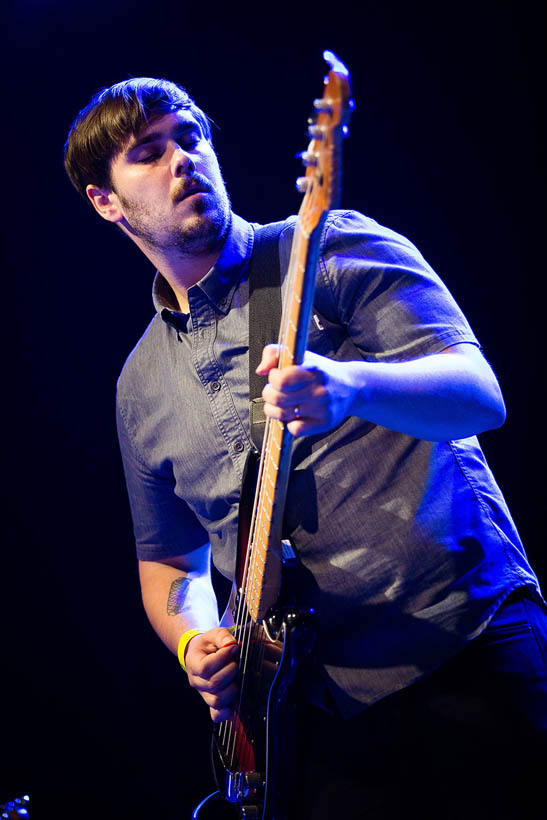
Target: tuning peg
[[302, 184], [324, 104], [308, 157], [316, 131]]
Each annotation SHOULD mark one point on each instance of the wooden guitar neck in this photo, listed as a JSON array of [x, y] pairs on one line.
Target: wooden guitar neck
[[321, 188]]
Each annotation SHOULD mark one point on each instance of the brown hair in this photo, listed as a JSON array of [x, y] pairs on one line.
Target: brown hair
[[112, 116]]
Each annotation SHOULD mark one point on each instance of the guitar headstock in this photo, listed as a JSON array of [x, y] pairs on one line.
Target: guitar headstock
[[323, 158]]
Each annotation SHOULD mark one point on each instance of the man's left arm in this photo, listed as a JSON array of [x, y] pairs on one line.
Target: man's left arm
[[448, 395]]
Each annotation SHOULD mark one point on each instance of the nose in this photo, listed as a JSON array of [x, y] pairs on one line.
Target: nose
[[182, 163]]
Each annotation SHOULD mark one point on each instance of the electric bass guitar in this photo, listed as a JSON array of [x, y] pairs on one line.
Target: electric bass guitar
[[251, 751]]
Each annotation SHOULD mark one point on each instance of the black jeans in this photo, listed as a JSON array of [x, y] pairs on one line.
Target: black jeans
[[468, 741]]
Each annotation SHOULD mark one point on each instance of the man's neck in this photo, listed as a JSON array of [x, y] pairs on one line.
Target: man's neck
[[181, 271], [185, 273]]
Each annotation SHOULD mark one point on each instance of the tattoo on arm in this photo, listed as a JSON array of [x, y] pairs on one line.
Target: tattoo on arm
[[177, 595]]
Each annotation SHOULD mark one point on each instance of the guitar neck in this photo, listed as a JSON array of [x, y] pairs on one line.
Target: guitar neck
[[321, 188], [264, 567]]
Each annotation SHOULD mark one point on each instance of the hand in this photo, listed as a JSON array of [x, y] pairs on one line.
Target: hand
[[211, 664], [313, 397]]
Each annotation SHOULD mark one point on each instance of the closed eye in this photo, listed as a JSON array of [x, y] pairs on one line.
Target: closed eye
[[188, 140], [149, 158]]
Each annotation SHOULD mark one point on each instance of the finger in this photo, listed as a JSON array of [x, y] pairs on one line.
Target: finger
[[314, 411], [216, 682], [218, 715], [307, 393], [270, 358], [211, 662], [310, 401], [221, 636], [307, 427], [221, 700], [287, 413], [273, 651], [209, 643], [290, 379]]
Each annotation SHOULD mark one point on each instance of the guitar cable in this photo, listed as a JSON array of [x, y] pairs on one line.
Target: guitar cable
[[205, 800]]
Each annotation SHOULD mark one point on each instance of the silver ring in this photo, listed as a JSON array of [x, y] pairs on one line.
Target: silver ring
[[296, 412]]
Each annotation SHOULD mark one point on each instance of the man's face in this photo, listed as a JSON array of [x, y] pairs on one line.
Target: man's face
[[170, 188]]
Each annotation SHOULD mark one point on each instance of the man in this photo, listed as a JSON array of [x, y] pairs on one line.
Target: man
[[409, 555]]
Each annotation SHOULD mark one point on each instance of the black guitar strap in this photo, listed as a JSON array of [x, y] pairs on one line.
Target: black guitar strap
[[264, 316]]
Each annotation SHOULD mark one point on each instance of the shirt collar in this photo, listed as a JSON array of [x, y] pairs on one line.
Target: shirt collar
[[220, 282]]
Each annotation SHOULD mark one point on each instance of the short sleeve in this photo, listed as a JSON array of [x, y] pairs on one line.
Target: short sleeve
[[163, 523], [378, 285]]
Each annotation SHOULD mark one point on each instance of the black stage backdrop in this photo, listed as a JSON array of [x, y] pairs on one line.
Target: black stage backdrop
[[96, 718]]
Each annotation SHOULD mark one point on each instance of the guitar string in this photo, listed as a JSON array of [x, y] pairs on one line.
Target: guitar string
[[302, 230], [250, 565], [250, 642], [240, 612], [243, 630], [230, 733]]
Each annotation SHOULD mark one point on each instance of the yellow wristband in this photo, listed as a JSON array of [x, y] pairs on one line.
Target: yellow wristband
[[184, 640]]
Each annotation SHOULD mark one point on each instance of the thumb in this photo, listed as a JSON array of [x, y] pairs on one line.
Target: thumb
[[225, 638], [270, 358]]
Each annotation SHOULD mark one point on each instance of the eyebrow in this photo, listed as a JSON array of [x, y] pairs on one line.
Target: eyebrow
[[178, 130]]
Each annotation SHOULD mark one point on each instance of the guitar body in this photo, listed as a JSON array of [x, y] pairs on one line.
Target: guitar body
[[252, 760], [260, 783]]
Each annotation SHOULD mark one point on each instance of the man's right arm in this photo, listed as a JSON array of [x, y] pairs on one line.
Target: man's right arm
[[178, 595]]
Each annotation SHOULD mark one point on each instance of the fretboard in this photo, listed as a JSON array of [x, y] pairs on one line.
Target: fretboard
[[263, 576], [321, 186]]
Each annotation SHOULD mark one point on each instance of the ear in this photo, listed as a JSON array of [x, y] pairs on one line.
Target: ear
[[105, 202]]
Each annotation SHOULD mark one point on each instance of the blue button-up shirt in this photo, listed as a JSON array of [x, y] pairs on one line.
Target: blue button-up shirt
[[407, 546]]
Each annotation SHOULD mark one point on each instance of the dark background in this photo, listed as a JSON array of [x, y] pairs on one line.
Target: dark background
[[96, 719]]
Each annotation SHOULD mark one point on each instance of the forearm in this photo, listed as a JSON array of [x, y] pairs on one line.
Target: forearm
[[176, 600], [448, 395], [436, 398]]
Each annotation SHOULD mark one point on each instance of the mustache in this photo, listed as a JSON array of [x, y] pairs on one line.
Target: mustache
[[197, 183]]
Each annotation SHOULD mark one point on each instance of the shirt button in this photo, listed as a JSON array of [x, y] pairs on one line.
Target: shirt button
[[239, 447], [215, 386]]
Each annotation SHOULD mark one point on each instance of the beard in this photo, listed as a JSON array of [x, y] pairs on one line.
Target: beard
[[201, 231]]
